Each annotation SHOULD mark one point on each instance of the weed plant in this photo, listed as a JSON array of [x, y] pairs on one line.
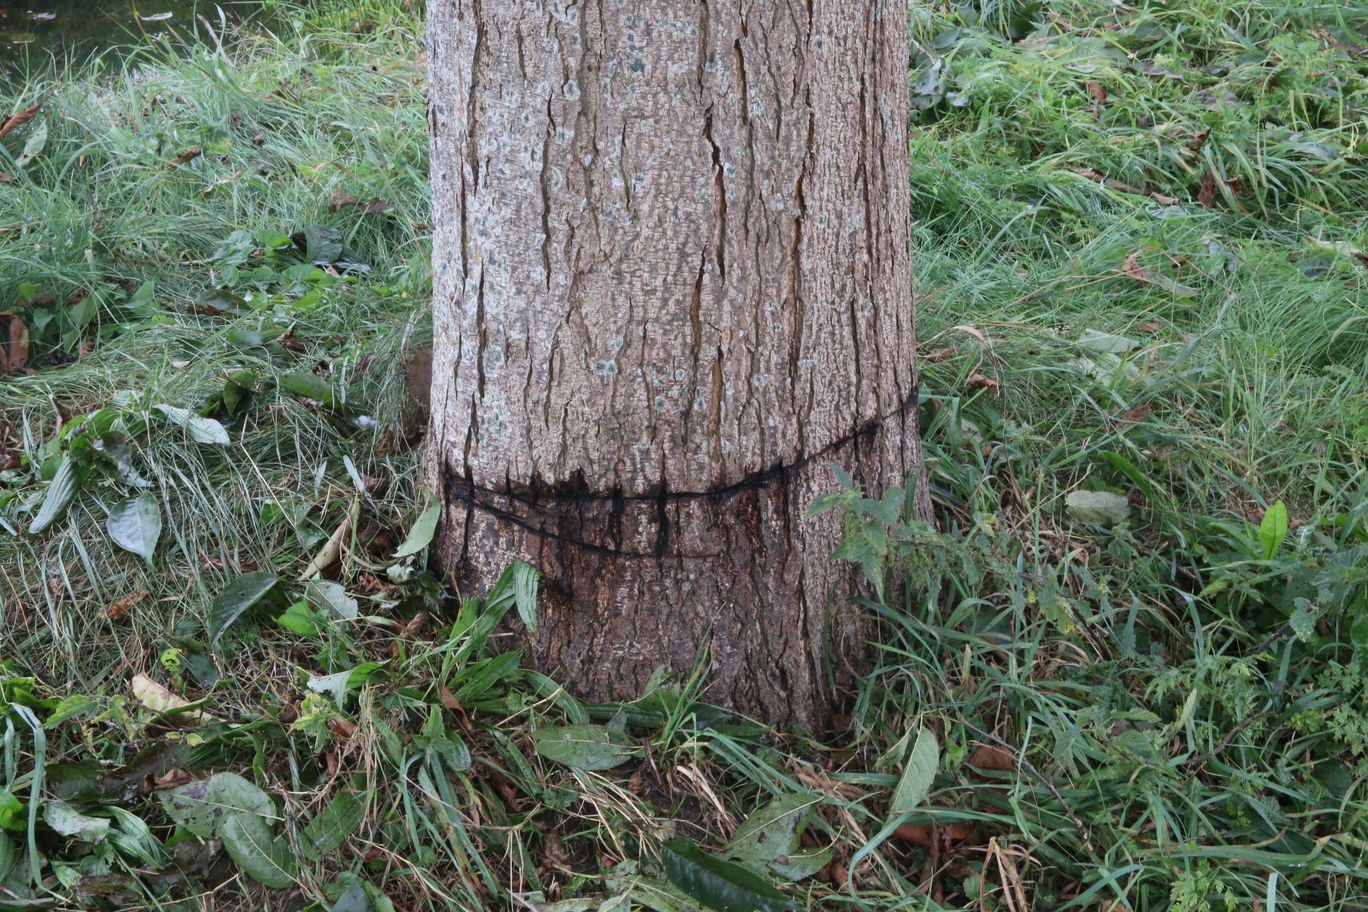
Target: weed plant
[[1140, 241]]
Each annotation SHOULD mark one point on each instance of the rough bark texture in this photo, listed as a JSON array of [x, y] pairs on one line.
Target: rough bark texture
[[671, 288]]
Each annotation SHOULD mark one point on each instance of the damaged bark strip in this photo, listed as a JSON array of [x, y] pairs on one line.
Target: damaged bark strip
[[671, 255]]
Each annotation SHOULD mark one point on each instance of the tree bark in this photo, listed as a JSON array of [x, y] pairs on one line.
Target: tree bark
[[671, 289]]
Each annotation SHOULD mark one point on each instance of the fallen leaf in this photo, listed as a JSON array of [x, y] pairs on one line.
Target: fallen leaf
[[14, 343], [1207, 194], [18, 118], [188, 155], [160, 700], [1093, 174], [923, 834], [1101, 507], [173, 778], [331, 551], [7, 178], [1198, 140], [118, 608], [1098, 93], [992, 757], [1350, 48], [978, 381], [342, 728], [341, 199], [1131, 267], [1137, 414], [940, 354]]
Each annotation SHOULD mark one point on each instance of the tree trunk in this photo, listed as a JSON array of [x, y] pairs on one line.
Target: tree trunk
[[671, 290]]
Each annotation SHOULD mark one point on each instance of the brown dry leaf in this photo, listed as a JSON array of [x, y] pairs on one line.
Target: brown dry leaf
[[1137, 414], [18, 118], [1207, 194], [173, 778], [978, 381], [940, 354], [1198, 140], [414, 626], [188, 155], [914, 832], [1093, 174], [1131, 267], [7, 178], [118, 608], [1098, 93], [1349, 47], [448, 698], [992, 757], [923, 834], [342, 728], [341, 199], [14, 343]]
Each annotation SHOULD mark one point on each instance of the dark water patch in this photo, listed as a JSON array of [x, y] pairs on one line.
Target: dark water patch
[[33, 30]]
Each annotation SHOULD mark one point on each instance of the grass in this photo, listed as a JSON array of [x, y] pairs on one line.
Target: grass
[[1140, 236]]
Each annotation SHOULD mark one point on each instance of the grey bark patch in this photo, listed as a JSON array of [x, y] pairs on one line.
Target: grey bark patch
[[720, 200]]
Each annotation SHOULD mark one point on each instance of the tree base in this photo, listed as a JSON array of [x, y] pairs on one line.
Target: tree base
[[738, 577]]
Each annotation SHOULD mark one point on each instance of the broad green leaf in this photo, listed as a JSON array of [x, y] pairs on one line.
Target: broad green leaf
[[1305, 614], [1132, 472], [773, 830], [918, 774], [58, 494], [338, 820], [589, 747], [66, 820], [299, 618], [239, 595], [1101, 507], [353, 897], [200, 429], [1273, 529], [12, 811], [252, 847], [801, 864], [8, 855], [424, 527], [620, 903], [136, 524], [526, 583], [719, 884], [201, 807], [309, 386], [324, 244]]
